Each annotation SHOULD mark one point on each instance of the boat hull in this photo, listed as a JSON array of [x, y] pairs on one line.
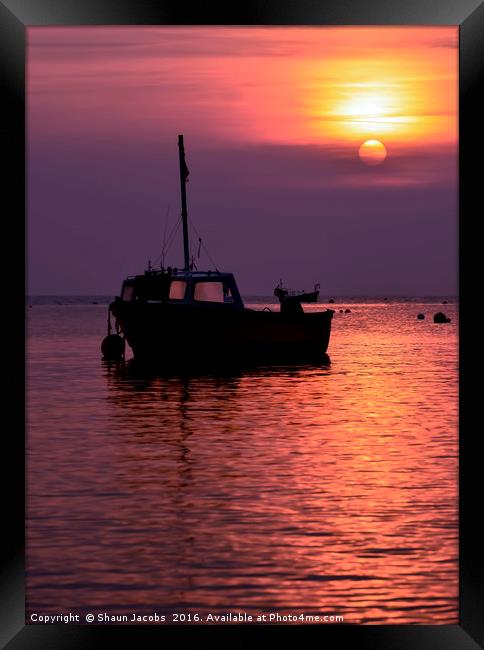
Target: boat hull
[[283, 294], [166, 332], [308, 297]]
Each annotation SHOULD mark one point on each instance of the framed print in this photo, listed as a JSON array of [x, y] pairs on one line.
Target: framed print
[[249, 325]]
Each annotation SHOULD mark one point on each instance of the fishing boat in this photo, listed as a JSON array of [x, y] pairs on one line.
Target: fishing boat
[[282, 293], [184, 314]]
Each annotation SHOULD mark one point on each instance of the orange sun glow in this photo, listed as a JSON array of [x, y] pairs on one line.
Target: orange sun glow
[[372, 152]]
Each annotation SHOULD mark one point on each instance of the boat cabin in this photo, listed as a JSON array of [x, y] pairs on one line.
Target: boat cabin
[[182, 287]]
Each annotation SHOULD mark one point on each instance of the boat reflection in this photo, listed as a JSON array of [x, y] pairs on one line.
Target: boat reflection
[[138, 370]]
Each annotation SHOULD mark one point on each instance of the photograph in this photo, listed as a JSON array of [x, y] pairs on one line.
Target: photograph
[[242, 325], [242, 347]]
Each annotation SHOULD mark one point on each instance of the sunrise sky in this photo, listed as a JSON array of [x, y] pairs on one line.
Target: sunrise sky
[[281, 183]]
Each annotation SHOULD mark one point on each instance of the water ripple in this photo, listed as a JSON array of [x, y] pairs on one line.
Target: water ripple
[[317, 489]]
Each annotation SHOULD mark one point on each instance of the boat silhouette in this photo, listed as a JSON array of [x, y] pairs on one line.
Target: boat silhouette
[[187, 315], [282, 293]]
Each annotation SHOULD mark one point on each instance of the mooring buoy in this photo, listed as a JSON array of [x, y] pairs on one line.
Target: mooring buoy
[[113, 347], [420, 316], [347, 311], [440, 317]]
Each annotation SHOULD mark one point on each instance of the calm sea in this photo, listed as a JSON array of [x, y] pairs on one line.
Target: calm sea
[[328, 490]]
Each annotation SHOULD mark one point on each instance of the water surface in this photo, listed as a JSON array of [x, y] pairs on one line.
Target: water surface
[[318, 489]]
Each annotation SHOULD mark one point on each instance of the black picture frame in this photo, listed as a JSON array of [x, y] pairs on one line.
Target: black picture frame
[[15, 16]]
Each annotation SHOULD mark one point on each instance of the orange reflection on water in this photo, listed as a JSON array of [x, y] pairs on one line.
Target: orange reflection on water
[[311, 489]]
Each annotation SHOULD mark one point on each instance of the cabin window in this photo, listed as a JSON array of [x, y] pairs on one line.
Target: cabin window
[[209, 291], [177, 290], [127, 294], [228, 294]]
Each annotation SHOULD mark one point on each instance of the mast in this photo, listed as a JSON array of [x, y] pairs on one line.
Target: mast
[[183, 180]]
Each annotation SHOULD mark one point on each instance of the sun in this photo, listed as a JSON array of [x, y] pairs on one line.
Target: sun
[[372, 152]]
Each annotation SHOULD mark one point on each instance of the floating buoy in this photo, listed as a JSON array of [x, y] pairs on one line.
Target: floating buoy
[[440, 317], [113, 347], [420, 316], [331, 300], [445, 302], [340, 311], [347, 311]]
